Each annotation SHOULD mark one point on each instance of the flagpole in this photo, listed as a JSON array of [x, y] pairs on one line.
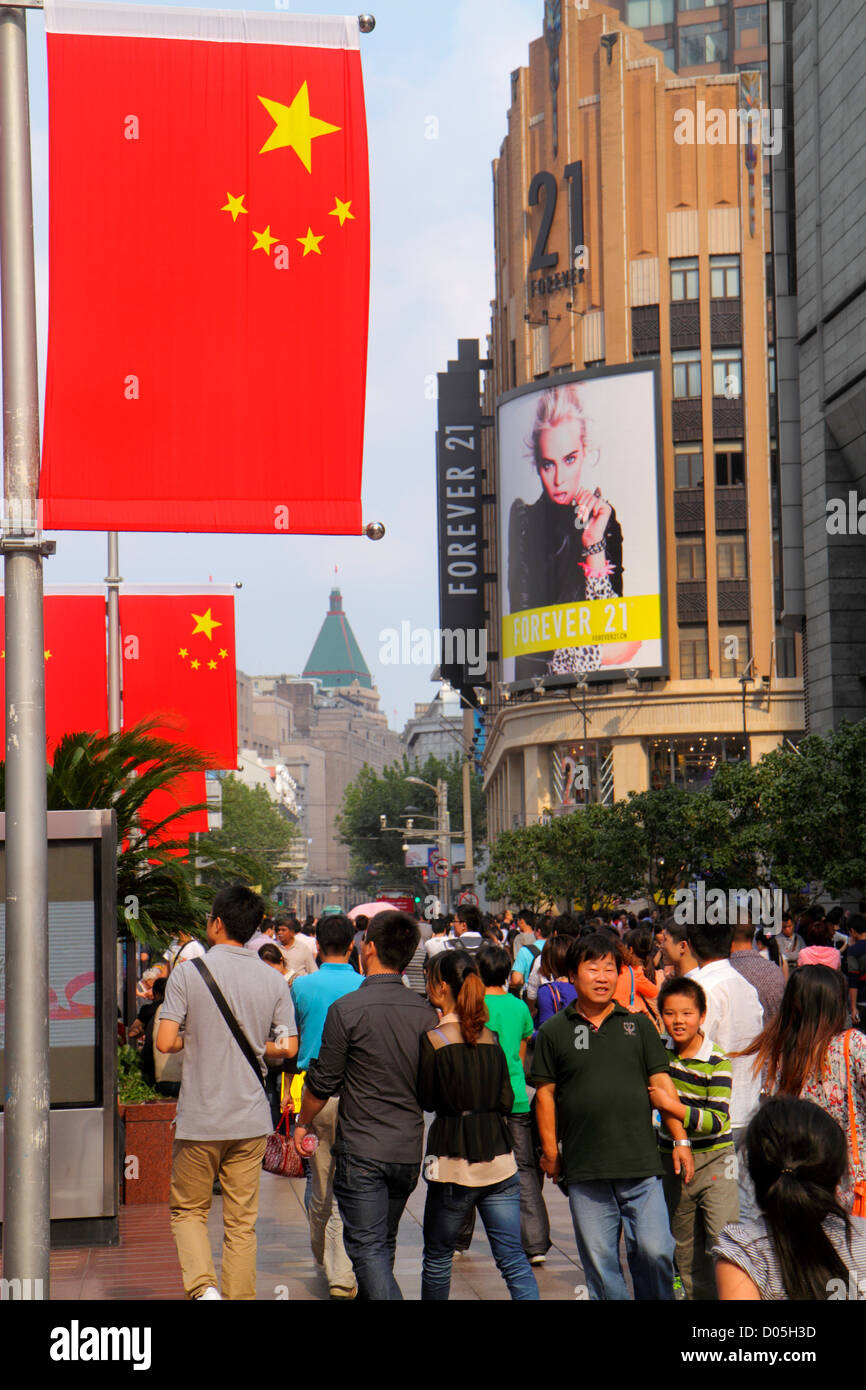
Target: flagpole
[[113, 580], [26, 1233]]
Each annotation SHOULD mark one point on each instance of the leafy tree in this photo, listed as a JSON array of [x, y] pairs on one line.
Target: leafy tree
[[596, 855], [520, 870], [255, 828], [813, 807], [157, 893], [377, 855]]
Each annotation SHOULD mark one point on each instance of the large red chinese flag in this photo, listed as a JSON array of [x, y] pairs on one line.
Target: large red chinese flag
[[189, 790], [179, 666], [75, 666], [208, 271]]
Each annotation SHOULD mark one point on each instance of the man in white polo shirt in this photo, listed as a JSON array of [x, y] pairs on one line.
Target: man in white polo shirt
[[223, 1115], [734, 1018]]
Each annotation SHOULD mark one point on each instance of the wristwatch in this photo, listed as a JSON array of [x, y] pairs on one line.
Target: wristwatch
[[682, 1143]]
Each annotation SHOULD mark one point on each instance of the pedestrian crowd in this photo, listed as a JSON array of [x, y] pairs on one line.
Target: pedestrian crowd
[[697, 1093]]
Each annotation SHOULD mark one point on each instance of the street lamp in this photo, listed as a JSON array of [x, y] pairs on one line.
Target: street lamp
[[443, 831]]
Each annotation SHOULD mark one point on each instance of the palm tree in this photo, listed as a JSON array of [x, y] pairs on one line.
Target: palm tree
[[157, 893]]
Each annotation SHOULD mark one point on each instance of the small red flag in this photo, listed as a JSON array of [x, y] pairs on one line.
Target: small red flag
[[75, 665], [208, 271], [179, 666]]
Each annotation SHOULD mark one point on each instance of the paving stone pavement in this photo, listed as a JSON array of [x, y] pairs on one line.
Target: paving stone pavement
[[144, 1265]]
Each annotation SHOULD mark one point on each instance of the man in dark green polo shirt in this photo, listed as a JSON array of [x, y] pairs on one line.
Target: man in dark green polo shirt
[[593, 1065]]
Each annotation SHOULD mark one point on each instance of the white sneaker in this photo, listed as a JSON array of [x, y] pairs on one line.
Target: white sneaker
[[538, 1259], [210, 1293]]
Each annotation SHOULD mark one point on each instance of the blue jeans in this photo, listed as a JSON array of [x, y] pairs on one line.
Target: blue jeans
[[371, 1195], [600, 1211], [444, 1214]]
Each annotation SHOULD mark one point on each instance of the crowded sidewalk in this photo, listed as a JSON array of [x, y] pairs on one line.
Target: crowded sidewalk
[[144, 1266]]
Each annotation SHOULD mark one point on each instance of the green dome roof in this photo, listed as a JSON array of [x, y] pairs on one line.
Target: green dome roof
[[336, 658]]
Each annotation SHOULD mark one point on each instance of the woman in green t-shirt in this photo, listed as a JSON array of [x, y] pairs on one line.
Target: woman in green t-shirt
[[511, 1020]]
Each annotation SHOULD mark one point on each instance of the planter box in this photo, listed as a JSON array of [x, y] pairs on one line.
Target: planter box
[[146, 1168]]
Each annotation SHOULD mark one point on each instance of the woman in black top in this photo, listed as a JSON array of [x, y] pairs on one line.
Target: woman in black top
[[463, 1077]]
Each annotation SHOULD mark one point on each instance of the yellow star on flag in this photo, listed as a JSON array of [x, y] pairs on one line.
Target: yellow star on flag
[[195, 665], [342, 210], [47, 655], [235, 206], [264, 240], [295, 127], [205, 622], [310, 242], [223, 652], [184, 652], [212, 665]]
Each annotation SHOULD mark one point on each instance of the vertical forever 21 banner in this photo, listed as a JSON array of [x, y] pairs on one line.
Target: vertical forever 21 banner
[[463, 656]]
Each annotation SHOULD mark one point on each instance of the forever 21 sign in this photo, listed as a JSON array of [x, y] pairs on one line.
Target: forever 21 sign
[[542, 259]]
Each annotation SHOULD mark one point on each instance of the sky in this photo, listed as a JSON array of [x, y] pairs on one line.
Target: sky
[[432, 279]]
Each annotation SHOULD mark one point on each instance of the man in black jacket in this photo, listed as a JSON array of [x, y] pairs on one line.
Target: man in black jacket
[[369, 1053]]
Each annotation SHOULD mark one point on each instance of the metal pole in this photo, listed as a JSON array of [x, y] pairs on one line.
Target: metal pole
[[444, 841], [113, 580], [468, 877], [26, 1252]]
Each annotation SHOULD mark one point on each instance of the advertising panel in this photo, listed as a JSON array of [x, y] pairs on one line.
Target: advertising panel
[[580, 517]]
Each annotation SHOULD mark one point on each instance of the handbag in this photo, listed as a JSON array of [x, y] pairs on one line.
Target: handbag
[[859, 1207], [281, 1156]]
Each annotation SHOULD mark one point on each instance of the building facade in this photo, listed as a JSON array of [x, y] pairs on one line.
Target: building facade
[[320, 728], [818, 67], [631, 226]]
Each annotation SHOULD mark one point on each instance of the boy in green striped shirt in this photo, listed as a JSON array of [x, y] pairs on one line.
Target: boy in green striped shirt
[[701, 1074]]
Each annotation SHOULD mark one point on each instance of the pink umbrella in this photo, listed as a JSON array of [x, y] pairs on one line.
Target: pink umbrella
[[370, 909]]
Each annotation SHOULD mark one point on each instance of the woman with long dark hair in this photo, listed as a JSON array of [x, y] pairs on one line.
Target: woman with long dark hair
[[804, 1246], [556, 991], [809, 1051], [463, 1078]]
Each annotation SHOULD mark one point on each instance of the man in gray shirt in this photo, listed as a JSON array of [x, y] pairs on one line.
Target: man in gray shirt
[[370, 1051], [223, 1115]]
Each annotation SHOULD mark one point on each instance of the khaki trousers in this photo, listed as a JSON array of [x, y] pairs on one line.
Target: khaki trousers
[[238, 1164], [326, 1228], [698, 1212]]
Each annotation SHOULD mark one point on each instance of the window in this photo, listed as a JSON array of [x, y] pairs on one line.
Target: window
[[669, 55], [731, 557], [728, 372], [703, 43], [642, 13], [730, 465], [724, 277], [733, 649], [694, 654], [684, 279], [786, 652], [750, 26], [688, 466], [691, 562], [687, 374], [699, 4], [771, 369]]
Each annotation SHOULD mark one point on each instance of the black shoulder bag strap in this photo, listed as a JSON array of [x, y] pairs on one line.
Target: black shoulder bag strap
[[234, 1026]]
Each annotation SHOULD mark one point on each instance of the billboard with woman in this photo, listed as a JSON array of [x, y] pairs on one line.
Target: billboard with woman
[[581, 574]]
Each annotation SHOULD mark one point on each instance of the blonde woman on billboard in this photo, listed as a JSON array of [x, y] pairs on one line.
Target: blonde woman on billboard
[[566, 547]]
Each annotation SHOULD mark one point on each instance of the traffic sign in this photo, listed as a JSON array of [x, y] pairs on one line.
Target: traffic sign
[[468, 899], [440, 867]]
